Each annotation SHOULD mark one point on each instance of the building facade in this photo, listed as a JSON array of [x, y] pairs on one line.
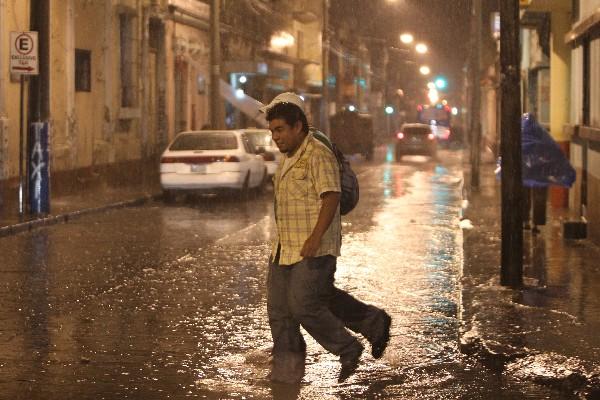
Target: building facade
[[102, 87], [583, 126]]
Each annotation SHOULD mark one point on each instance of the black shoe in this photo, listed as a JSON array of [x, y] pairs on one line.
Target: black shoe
[[349, 364], [380, 343]]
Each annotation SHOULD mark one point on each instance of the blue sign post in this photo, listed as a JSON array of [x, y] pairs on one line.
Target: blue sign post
[[39, 169]]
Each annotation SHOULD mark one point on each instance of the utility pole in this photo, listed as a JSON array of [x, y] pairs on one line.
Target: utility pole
[[325, 69], [475, 120], [216, 118], [510, 146]]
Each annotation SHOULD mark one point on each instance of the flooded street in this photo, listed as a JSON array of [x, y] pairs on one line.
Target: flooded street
[[169, 300]]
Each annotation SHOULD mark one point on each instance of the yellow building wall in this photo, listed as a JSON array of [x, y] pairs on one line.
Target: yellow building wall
[[61, 97]]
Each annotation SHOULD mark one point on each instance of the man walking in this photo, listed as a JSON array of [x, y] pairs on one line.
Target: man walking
[[300, 284]]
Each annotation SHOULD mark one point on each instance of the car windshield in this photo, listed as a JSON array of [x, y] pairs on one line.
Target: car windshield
[[205, 141], [416, 130], [260, 138]]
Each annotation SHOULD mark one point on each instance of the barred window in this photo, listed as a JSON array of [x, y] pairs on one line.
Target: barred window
[[83, 70], [127, 60]]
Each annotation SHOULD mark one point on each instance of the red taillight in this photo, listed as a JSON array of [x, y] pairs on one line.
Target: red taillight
[[431, 136], [198, 159], [400, 135]]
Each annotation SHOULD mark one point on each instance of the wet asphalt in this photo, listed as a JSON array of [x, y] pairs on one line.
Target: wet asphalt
[[167, 300]]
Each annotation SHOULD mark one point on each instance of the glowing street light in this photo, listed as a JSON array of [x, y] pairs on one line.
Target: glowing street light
[[407, 38], [425, 70], [421, 48]]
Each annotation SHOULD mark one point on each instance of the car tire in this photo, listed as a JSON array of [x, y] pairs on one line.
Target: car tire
[[245, 190], [263, 182], [168, 196], [398, 156]]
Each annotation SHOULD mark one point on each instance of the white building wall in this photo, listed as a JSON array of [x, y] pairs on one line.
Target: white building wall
[[575, 115]]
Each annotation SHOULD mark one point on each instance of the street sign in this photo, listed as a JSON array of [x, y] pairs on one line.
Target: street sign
[[24, 53]]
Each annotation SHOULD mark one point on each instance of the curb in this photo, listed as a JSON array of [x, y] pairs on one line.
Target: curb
[[28, 226]]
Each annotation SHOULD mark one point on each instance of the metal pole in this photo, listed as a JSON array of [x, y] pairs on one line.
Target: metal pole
[[510, 146], [21, 149], [325, 70], [475, 127], [215, 63]]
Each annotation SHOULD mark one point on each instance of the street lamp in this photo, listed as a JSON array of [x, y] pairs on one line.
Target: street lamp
[[421, 48], [425, 70], [407, 38]]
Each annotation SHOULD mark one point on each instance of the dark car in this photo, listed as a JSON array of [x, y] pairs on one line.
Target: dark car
[[415, 139]]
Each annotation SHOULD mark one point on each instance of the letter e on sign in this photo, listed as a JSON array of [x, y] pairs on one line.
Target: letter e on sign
[[24, 53]]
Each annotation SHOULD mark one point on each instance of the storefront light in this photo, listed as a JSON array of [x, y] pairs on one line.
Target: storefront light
[[281, 40]]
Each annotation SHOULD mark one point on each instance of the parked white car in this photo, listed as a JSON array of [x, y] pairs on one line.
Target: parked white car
[[261, 138], [209, 160]]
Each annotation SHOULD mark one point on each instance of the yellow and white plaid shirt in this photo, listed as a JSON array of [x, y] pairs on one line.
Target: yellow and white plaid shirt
[[299, 184]]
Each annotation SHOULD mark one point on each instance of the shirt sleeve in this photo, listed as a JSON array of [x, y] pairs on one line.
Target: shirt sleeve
[[325, 171]]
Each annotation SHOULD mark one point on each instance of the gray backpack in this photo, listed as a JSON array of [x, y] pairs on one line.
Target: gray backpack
[[348, 180]]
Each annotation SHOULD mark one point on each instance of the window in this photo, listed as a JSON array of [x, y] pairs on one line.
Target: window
[[575, 7], [205, 141], [247, 144], [127, 60], [83, 70]]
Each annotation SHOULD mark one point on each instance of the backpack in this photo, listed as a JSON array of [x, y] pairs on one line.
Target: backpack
[[348, 180]]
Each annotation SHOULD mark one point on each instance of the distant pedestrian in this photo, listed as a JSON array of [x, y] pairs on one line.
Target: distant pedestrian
[[544, 165], [302, 265]]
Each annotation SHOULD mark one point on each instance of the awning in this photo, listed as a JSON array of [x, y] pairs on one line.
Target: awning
[[589, 26], [243, 102]]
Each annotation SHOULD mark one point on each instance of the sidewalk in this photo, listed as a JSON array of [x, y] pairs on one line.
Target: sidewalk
[[90, 196], [548, 331]]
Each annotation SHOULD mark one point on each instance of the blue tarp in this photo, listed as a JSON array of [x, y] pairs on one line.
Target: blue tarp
[[544, 163]]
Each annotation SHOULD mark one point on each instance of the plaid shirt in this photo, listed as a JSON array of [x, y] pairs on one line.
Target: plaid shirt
[[299, 184]]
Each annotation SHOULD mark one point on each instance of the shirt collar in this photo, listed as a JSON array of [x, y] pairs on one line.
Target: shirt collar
[[298, 154]]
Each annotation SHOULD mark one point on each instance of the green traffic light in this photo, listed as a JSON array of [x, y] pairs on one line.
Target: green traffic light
[[441, 83]]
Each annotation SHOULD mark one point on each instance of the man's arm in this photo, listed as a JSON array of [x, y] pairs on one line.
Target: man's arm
[[329, 205]]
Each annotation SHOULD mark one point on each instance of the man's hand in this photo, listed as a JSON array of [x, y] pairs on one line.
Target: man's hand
[[330, 202], [310, 247]]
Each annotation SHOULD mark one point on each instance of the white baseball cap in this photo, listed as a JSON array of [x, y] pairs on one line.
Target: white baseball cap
[[287, 97]]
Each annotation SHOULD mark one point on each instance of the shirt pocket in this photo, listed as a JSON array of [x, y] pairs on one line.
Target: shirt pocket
[[298, 184]]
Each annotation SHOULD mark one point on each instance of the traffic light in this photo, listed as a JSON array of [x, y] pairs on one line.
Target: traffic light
[[441, 83], [389, 110]]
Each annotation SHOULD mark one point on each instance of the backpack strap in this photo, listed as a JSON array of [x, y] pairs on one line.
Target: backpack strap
[[321, 137]]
